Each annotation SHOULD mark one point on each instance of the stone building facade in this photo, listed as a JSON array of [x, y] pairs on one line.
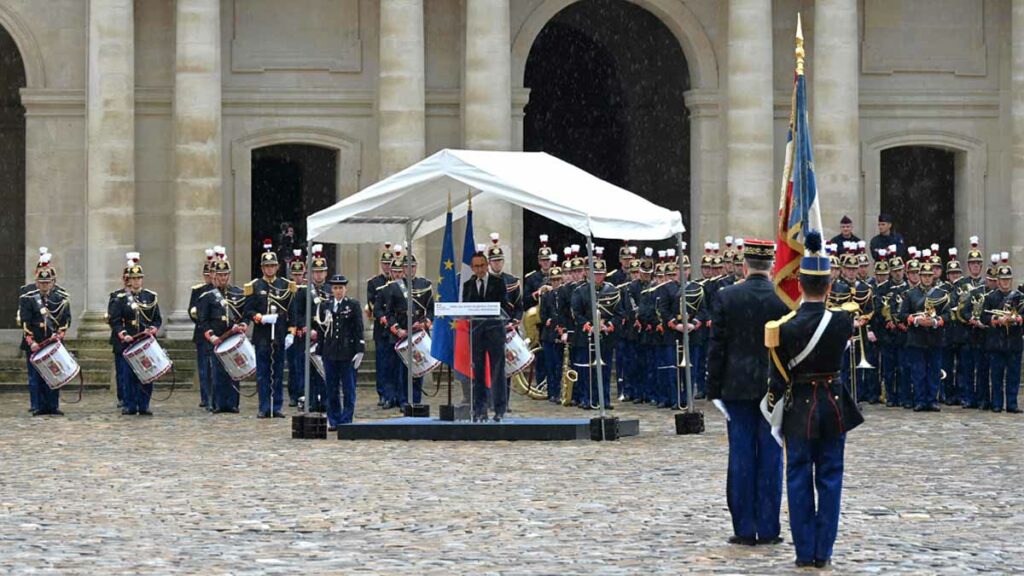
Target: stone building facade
[[170, 125]]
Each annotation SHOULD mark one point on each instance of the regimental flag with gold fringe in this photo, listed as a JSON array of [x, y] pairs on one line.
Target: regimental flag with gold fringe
[[799, 208]]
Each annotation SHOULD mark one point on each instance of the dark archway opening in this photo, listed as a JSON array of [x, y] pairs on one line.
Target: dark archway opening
[[289, 182], [918, 191], [12, 176], [606, 82]]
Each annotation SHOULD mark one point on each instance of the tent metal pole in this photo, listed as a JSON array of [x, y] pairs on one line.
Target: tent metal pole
[[683, 281], [596, 330], [309, 326], [408, 314]]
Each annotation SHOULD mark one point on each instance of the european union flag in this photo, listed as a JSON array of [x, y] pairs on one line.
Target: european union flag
[[442, 346]]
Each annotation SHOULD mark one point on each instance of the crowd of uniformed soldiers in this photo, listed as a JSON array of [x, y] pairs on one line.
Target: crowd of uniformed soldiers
[[920, 339]]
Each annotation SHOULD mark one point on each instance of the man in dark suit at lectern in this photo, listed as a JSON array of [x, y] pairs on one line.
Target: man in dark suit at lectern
[[487, 339]]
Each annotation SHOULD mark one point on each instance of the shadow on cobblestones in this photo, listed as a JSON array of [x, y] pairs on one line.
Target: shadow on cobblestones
[[185, 491]]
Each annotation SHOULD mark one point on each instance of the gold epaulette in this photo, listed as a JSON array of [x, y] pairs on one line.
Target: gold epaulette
[[198, 286], [530, 273], [247, 288], [292, 286], [771, 330]]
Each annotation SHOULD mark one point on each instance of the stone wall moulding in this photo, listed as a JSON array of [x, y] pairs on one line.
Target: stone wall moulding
[[320, 35], [675, 15], [946, 36], [32, 58]]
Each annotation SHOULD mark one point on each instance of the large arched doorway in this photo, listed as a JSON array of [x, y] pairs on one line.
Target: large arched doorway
[[606, 81], [289, 182], [12, 175], [918, 189]]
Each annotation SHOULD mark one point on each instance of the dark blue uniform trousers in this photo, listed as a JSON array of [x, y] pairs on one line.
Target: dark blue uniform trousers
[[966, 365], [119, 380], [905, 384], [651, 370], [754, 481], [580, 363], [925, 374], [204, 355], [1001, 364], [317, 391], [983, 389], [136, 394], [621, 367], [889, 370], [402, 385], [814, 465], [33, 398], [380, 354], [225, 390], [296, 383], [341, 377], [553, 359], [589, 391], [698, 372], [668, 375], [47, 399], [270, 377]]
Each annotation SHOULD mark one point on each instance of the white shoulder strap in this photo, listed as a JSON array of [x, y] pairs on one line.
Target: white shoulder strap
[[822, 324]]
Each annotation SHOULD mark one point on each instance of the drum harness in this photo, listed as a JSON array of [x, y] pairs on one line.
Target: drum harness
[[145, 311], [47, 315], [420, 313]]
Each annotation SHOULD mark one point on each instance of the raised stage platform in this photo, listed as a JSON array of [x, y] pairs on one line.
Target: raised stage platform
[[535, 429]]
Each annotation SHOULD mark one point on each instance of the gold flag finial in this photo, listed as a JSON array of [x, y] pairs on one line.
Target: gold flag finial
[[799, 46], [469, 197], [449, 201]]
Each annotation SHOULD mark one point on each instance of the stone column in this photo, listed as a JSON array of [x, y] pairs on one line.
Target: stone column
[[197, 149], [836, 122], [401, 97], [487, 111], [110, 183], [752, 193], [1016, 215]]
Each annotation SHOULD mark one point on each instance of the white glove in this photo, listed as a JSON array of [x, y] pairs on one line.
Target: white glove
[[289, 340], [268, 319], [357, 360], [721, 408]]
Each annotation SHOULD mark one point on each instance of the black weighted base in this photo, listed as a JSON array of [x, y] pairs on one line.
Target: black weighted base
[[309, 426], [610, 424], [690, 423], [451, 413], [416, 410]]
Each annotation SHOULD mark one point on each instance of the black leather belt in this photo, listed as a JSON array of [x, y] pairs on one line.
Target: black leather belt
[[820, 378]]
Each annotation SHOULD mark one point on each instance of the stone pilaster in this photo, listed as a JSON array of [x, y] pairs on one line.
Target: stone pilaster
[[197, 149], [836, 122], [487, 110], [401, 95], [752, 193], [1016, 215], [110, 182]]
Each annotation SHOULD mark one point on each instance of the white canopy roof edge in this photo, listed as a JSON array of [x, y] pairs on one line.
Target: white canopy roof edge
[[535, 181]]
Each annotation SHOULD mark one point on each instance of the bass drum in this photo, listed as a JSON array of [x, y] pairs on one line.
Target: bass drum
[[238, 356], [148, 359], [422, 361], [55, 364]]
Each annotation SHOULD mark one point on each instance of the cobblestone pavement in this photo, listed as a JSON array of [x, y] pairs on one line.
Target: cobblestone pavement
[[188, 492]]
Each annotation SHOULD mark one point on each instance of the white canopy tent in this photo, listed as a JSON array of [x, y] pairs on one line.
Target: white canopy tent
[[533, 180], [415, 201]]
